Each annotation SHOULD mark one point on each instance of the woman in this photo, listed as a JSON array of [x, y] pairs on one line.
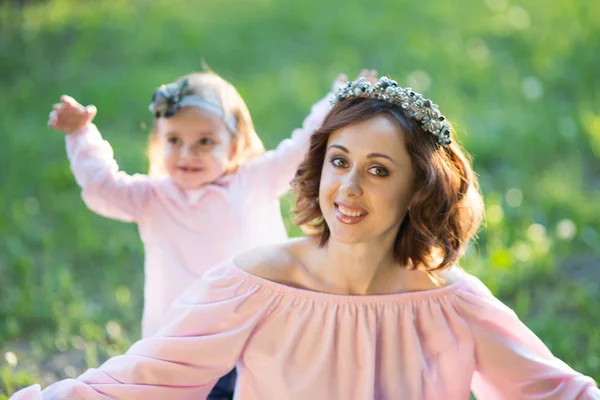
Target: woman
[[371, 305]]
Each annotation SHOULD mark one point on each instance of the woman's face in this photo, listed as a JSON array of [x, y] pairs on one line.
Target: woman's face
[[367, 181]]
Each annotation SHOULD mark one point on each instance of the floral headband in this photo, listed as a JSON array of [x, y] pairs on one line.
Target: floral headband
[[168, 99], [421, 109]]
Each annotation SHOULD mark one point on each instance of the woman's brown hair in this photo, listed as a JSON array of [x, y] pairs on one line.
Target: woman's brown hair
[[209, 84], [446, 209]]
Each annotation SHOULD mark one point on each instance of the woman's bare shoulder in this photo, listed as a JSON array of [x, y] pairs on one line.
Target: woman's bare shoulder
[[278, 262]]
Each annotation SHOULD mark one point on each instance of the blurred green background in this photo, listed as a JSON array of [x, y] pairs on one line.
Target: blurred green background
[[519, 79]]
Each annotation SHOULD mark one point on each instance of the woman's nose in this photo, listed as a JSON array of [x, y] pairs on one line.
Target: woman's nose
[[351, 185]]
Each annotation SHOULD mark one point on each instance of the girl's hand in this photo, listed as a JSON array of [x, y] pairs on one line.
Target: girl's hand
[[341, 80], [69, 116], [370, 75]]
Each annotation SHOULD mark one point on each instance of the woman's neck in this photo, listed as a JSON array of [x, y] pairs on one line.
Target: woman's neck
[[366, 269], [359, 268]]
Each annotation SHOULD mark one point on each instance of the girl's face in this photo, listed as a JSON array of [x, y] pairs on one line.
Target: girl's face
[[367, 181], [196, 147]]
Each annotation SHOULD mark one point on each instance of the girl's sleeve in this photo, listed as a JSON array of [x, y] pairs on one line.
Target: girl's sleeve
[[511, 361], [206, 331], [105, 190], [276, 168]]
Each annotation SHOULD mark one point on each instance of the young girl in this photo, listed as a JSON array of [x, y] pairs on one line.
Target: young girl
[[372, 306], [211, 192]]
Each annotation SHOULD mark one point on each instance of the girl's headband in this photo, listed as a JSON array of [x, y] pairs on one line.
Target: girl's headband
[[168, 99]]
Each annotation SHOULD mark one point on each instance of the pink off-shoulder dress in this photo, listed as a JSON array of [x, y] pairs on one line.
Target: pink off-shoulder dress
[[295, 344]]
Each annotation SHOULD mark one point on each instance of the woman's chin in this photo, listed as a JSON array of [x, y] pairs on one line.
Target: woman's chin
[[347, 236]]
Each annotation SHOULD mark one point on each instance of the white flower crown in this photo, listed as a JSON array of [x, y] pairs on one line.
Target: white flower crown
[[421, 109]]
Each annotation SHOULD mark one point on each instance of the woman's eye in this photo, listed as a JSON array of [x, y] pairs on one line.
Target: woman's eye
[[173, 140], [207, 142], [378, 171], [339, 162]]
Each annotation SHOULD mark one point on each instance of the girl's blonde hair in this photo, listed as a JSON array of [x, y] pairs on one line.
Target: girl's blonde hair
[[210, 85]]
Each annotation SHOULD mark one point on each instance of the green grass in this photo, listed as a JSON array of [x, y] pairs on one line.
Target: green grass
[[518, 79]]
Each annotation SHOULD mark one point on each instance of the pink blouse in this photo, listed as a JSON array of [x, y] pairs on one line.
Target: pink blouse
[[187, 232], [296, 344]]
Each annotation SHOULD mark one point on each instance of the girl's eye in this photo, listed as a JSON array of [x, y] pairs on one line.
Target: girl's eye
[[207, 142], [378, 171], [173, 140], [339, 162]]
